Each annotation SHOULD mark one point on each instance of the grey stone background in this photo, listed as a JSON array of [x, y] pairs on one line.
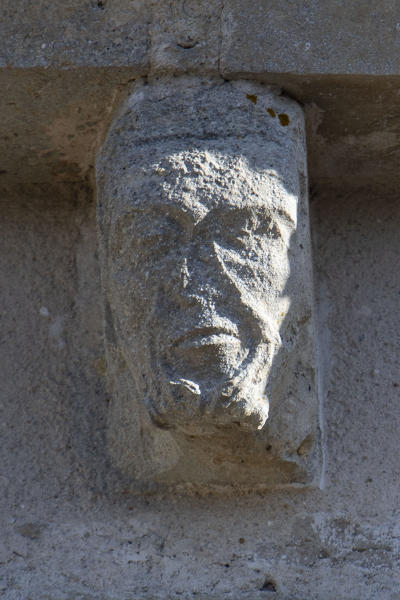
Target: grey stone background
[[69, 531]]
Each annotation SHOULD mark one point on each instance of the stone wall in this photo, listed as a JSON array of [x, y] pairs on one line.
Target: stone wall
[[73, 526]]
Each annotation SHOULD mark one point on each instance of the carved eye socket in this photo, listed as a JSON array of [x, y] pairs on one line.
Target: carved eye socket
[[145, 237], [237, 229], [157, 233], [267, 227], [160, 238], [236, 239]]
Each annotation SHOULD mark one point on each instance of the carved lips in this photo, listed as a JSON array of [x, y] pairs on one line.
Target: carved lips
[[206, 336]]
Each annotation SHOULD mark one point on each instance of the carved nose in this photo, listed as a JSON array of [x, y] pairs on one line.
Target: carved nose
[[197, 274], [185, 284]]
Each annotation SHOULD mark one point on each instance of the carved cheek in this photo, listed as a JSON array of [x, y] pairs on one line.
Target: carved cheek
[[237, 267]]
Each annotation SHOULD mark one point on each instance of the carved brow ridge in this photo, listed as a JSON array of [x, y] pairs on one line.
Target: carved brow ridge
[[186, 213]]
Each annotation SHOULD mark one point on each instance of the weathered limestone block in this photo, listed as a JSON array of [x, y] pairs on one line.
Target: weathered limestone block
[[317, 37], [185, 37], [206, 269]]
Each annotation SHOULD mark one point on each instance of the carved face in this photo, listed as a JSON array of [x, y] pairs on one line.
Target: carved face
[[196, 270]]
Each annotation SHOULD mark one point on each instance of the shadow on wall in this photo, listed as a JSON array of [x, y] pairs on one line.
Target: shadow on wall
[[53, 397]]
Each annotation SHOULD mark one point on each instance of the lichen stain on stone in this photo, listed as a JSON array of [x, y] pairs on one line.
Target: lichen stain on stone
[[284, 119], [100, 366], [252, 97], [30, 530], [271, 112]]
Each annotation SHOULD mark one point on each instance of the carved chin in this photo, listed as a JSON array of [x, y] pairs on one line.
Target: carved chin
[[205, 380], [197, 412], [202, 405]]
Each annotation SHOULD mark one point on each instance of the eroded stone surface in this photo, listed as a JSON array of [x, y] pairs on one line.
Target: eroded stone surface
[[71, 34], [185, 36], [207, 275], [317, 36], [314, 36]]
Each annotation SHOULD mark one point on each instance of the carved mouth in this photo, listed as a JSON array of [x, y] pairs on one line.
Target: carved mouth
[[206, 336]]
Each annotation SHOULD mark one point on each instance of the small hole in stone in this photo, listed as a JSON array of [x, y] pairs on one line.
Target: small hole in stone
[[306, 445], [268, 448], [268, 586], [187, 44]]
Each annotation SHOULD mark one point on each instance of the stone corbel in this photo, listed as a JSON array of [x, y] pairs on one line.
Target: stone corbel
[[206, 269]]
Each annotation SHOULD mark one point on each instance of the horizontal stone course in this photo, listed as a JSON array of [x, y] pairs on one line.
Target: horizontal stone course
[[313, 36]]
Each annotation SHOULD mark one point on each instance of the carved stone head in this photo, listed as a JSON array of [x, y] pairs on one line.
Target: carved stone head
[[198, 206]]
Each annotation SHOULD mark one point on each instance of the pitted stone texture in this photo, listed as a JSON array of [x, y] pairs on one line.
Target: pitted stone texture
[[207, 275], [313, 36], [185, 36], [89, 33], [310, 37], [154, 35]]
